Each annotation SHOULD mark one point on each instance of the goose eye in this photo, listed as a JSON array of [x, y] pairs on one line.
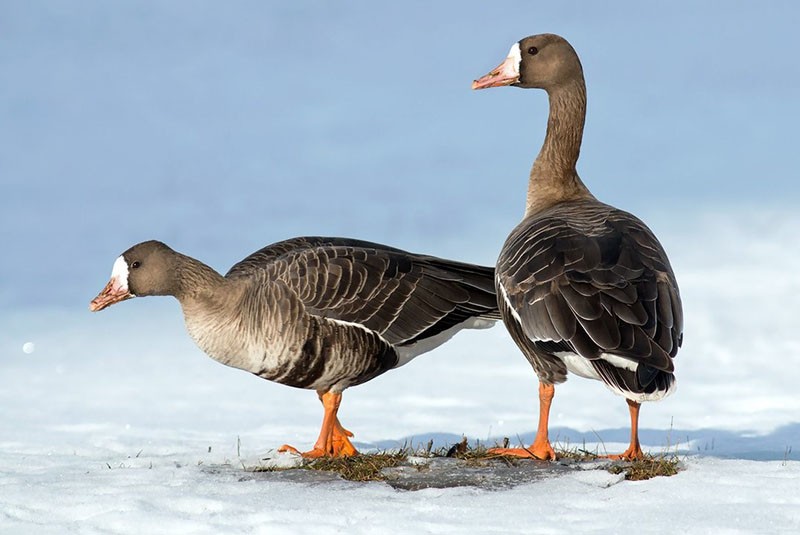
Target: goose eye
[[533, 51], [135, 264]]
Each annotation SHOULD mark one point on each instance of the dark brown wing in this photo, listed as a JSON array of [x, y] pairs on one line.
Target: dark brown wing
[[586, 278], [404, 297]]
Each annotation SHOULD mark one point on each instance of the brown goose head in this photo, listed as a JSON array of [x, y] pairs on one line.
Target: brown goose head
[[145, 269], [543, 61]]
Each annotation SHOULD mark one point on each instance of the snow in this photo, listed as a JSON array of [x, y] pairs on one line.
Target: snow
[[118, 424]]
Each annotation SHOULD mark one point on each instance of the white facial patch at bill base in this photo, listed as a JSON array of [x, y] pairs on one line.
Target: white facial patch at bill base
[[119, 273], [511, 64]]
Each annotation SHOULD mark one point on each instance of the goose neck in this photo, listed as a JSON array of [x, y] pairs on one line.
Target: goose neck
[[196, 279], [554, 177]]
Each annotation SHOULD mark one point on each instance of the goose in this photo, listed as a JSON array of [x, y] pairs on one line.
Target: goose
[[582, 287], [313, 312]]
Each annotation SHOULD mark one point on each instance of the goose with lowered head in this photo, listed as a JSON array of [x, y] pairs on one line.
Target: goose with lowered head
[[583, 287], [312, 312]]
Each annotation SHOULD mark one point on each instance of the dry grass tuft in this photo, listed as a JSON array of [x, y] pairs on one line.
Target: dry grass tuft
[[369, 466], [477, 455], [361, 467], [648, 468], [576, 454]]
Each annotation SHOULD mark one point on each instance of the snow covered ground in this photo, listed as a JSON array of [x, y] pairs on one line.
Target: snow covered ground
[[115, 423]]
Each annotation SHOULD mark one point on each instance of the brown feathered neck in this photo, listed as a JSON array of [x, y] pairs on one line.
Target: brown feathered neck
[[554, 177], [194, 278]]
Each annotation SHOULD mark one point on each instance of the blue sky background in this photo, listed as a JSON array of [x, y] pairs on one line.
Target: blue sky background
[[222, 127]]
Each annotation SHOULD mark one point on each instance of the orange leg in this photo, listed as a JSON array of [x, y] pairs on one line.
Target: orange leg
[[634, 451], [333, 439], [339, 440], [541, 448]]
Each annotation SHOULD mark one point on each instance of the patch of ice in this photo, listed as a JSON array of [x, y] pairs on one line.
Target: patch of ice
[[275, 459], [597, 478]]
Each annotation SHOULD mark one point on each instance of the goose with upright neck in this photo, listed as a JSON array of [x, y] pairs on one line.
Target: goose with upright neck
[[313, 312], [582, 287]]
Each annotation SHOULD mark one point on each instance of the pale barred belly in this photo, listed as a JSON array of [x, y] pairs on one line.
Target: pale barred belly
[[325, 356], [332, 355], [233, 351]]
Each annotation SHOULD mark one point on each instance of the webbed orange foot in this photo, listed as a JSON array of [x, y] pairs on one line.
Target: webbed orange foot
[[340, 445], [339, 430], [340, 450], [286, 448], [633, 453], [334, 440], [315, 453], [541, 450]]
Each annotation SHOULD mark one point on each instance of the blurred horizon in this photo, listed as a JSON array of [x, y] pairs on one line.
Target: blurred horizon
[[222, 129]]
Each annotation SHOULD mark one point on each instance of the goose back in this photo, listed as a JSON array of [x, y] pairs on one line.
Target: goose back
[[583, 278], [375, 307], [402, 296]]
